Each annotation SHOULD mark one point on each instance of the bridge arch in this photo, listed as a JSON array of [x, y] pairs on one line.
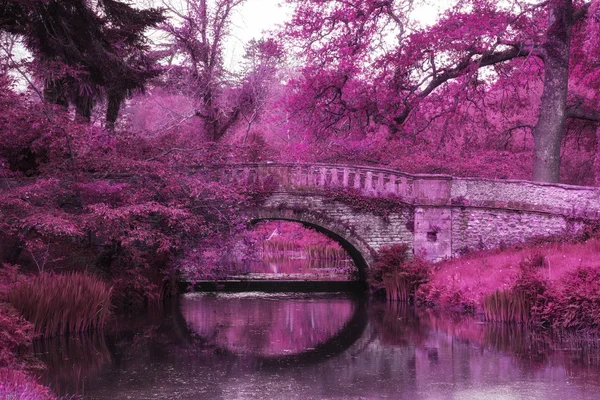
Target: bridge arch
[[359, 251]]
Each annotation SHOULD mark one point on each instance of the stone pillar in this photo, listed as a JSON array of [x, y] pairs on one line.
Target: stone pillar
[[433, 233], [334, 177], [346, 177], [368, 189]]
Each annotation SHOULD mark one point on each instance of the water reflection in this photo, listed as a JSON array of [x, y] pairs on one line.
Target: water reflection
[[262, 325], [71, 360], [222, 347]]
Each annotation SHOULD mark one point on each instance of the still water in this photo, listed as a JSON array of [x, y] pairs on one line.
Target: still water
[[315, 346]]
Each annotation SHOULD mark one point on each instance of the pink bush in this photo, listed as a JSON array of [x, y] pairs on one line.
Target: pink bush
[[573, 304], [18, 385], [16, 334]]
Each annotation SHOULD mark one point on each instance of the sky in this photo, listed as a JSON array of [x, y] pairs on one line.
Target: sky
[[250, 22]]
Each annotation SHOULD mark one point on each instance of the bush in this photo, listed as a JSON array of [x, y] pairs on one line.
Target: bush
[[574, 306], [571, 305], [18, 385], [15, 334], [398, 276], [58, 304]]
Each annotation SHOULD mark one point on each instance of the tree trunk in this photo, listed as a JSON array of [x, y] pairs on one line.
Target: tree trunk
[[112, 110], [83, 107], [54, 92], [549, 130]]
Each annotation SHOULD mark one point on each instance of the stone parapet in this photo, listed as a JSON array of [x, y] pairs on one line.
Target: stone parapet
[[420, 189]]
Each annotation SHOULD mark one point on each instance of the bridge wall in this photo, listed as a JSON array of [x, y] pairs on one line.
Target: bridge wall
[[439, 216]]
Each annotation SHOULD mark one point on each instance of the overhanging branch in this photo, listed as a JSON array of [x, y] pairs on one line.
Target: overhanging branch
[[586, 115]]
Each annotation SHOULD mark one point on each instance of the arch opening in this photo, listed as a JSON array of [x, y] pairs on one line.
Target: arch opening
[[352, 251]]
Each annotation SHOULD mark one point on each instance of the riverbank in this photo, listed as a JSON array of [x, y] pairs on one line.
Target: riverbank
[[548, 285]]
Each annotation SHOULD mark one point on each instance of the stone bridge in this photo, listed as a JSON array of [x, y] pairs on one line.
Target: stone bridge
[[437, 216]]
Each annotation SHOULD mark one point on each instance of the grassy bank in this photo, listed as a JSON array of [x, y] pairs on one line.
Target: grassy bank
[[465, 282], [554, 286]]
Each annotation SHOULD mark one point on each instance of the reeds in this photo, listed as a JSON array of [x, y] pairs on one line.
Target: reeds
[[59, 304], [507, 306], [396, 288], [320, 252], [288, 248], [280, 246]]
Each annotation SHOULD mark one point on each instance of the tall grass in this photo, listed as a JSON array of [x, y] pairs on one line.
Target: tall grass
[[507, 306], [398, 276], [270, 249], [320, 252], [515, 304], [59, 304]]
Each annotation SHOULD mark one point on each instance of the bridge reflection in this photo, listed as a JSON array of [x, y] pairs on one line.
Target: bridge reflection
[[277, 328]]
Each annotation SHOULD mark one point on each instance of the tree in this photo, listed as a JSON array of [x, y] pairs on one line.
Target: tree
[[198, 32], [85, 50], [262, 60], [120, 213], [374, 51]]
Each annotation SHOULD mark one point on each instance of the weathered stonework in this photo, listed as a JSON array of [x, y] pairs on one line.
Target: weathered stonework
[[437, 216]]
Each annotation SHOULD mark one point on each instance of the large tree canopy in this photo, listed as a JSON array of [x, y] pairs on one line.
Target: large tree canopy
[[368, 65]]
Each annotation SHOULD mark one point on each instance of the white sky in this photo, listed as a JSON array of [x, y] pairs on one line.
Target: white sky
[[251, 21]]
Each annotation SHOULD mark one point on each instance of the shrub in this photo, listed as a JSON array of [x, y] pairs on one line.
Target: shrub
[[15, 336], [58, 304], [398, 276], [575, 303], [18, 385]]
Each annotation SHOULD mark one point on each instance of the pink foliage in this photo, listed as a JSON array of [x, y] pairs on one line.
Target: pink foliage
[[19, 385], [439, 91], [16, 336], [105, 202]]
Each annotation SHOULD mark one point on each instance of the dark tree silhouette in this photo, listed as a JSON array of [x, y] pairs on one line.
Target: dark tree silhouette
[[85, 50]]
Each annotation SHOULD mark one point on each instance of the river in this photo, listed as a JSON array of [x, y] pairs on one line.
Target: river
[[314, 346]]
